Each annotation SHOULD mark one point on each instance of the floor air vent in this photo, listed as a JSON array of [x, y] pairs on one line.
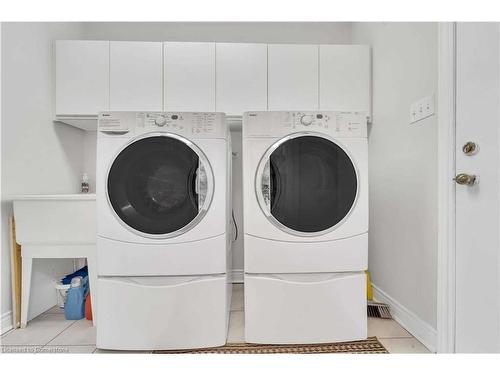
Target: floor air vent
[[378, 310]]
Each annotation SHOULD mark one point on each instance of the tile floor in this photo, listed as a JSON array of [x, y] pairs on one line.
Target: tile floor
[[51, 333]]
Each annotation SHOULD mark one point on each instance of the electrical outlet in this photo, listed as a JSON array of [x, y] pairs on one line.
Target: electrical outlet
[[421, 109]]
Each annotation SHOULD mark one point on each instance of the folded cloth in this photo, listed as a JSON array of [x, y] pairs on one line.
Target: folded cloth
[[83, 272]]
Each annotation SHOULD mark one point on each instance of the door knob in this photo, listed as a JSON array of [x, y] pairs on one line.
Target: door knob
[[470, 148], [465, 179]]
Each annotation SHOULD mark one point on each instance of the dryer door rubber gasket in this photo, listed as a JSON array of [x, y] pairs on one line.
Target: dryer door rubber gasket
[[308, 185]]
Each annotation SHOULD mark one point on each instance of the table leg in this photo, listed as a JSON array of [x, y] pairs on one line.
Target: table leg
[[92, 267], [27, 264]]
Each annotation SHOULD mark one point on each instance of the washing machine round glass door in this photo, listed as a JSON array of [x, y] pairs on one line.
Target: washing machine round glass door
[[306, 184], [160, 185]]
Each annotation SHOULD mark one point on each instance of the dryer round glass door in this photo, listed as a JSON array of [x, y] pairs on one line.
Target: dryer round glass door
[[307, 184], [160, 185]]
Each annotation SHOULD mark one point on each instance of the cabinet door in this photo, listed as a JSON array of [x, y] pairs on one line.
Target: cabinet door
[[241, 77], [135, 76], [293, 77], [189, 76], [82, 77], [345, 78]]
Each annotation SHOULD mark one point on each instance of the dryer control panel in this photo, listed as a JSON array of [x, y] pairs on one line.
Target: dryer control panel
[[187, 124], [277, 124]]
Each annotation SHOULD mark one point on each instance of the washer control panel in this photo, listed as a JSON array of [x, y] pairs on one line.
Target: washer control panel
[[188, 124]]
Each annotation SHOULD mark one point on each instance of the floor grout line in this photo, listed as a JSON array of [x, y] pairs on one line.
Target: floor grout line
[[3, 336], [56, 336], [7, 333], [71, 345]]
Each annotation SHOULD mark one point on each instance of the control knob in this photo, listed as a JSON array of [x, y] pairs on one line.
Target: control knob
[[306, 120], [160, 121]]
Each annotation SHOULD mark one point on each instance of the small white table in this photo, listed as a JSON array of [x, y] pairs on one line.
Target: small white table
[[55, 226]]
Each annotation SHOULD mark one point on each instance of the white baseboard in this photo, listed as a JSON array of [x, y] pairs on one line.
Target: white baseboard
[[422, 331], [6, 322], [237, 276]]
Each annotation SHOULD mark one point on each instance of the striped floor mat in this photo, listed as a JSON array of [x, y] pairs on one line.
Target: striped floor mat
[[370, 345]]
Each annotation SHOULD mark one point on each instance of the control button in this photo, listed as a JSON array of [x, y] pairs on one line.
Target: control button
[[306, 120], [160, 121], [174, 117], [319, 116]]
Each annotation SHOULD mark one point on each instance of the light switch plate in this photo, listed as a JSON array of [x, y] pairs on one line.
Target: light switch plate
[[421, 109]]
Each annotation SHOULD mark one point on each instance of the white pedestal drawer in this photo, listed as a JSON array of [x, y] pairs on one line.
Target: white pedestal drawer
[[168, 312], [305, 308]]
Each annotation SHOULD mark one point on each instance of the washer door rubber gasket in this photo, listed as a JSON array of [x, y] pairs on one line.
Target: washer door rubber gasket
[[152, 185]]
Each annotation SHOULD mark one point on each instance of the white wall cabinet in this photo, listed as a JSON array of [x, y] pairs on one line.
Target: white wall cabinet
[[189, 76], [345, 72], [82, 77], [94, 76], [241, 77], [293, 77], [135, 80]]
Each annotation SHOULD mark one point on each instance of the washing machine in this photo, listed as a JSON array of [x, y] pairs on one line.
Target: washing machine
[[163, 230], [305, 188]]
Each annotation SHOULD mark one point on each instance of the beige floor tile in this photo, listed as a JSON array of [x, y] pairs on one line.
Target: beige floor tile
[[70, 349], [404, 345], [80, 333], [386, 328], [39, 331], [236, 327], [55, 310], [104, 351], [20, 349], [237, 301]]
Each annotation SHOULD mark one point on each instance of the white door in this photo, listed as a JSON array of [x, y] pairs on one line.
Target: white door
[[477, 206], [241, 77], [135, 76], [344, 78], [293, 77], [189, 76], [82, 77]]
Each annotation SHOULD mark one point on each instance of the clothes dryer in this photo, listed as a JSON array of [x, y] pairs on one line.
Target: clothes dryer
[[305, 182]]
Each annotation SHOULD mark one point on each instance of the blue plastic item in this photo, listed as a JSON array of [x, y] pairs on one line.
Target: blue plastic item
[[83, 272], [74, 308]]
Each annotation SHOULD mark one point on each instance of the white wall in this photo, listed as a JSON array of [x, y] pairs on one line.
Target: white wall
[[38, 156], [403, 165], [237, 206], [89, 157], [238, 32]]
